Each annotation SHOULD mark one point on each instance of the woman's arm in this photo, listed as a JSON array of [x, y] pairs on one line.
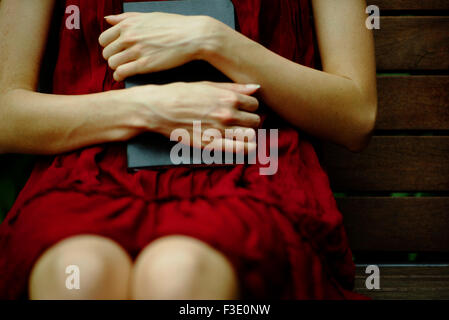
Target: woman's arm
[[32, 122], [338, 104]]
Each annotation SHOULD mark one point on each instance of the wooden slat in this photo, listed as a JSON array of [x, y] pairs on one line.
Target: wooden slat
[[407, 224], [413, 103], [411, 4], [390, 164], [412, 43], [407, 283]]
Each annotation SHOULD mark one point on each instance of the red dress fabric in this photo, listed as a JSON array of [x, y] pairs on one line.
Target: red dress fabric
[[283, 233]]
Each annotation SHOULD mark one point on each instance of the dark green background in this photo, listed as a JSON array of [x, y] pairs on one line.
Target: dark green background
[[14, 171]]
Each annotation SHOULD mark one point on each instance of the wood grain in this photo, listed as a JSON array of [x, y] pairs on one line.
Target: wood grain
[[413, 103], [407, 283], [411, 4], [408, 224], [412, 43], [390, 163]]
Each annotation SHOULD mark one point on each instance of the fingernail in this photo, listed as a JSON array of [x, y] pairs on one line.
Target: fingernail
[[253, 86], [106, 17]]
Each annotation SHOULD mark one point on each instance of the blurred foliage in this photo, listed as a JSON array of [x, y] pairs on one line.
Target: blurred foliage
[[412, 257]]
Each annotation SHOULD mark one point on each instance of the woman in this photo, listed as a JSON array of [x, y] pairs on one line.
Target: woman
[[216, 233]]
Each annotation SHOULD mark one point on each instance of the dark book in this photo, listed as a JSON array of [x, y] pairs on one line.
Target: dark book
[[152, 149]]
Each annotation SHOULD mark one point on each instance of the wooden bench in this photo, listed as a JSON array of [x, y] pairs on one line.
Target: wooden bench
[[409, 153]]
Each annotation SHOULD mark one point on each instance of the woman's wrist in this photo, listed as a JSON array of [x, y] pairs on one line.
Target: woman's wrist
[[215, 39], [226, 51], [133, 106], [123, 115]]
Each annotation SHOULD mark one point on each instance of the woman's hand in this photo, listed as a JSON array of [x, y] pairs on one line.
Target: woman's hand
[[141, 43], [218, 106]]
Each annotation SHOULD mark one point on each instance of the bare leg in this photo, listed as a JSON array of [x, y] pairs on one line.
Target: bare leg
[[104, 270], [180, 267]]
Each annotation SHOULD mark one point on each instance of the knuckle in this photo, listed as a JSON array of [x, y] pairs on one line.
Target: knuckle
[[225, 115], [142, 62], [128, 38], [232, 99], [135, 50], [125, 24]]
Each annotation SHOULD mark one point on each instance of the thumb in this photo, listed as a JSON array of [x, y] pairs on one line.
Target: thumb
[[117, 18], [248, 89]]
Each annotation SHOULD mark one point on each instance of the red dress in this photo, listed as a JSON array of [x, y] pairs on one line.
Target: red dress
[[283, 233]]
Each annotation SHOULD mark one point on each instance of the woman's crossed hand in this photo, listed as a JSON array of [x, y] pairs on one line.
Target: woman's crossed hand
[[140, 43], [219, 106]]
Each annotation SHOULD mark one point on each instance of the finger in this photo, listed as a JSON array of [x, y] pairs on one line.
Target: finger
[[234, 133], [122, 58], [226, 145], [117, 18], [244, 119], [114, 32], [248, 103], [113, 48], [247, 89], [127, 70], [109, 35]]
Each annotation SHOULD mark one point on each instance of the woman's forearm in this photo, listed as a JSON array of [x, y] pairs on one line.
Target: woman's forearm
[[39, 123], [325, 105]]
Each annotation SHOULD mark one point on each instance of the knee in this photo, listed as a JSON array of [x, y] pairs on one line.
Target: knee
[[182, 268], [82, 267]]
